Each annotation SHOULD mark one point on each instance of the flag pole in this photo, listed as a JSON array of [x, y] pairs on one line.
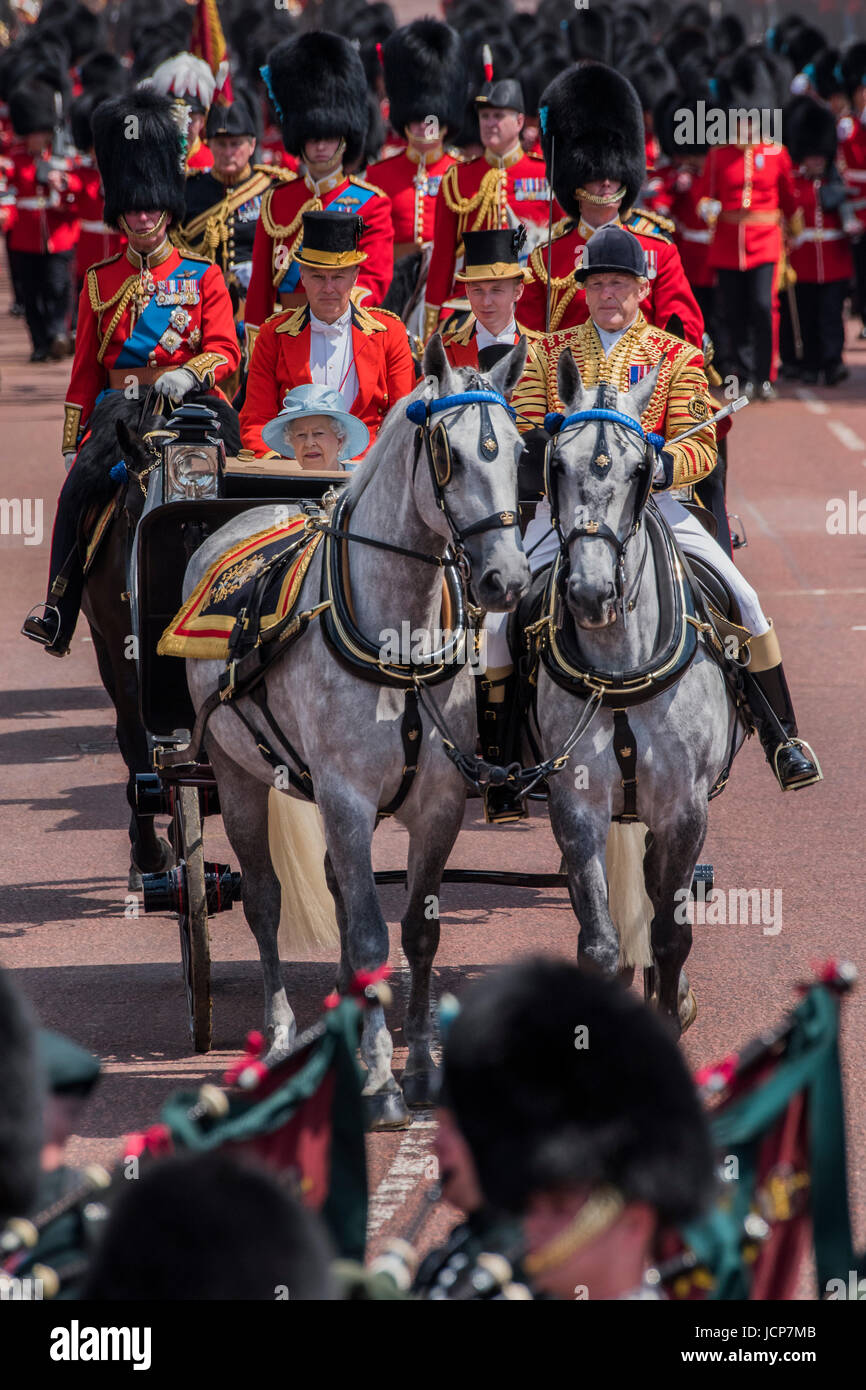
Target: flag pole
[[549, 232]]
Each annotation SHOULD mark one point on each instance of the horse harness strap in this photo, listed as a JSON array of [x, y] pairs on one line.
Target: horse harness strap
[[625, 751]]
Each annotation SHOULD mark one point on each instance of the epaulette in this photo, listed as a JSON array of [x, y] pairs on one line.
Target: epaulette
[[276, 171], [194, 173], [362, 183], [533, 154], [109, 260], [453, 151], [185, 251], [461, 330], [365, 321], [294, 323], [650, 223], [375, 309]]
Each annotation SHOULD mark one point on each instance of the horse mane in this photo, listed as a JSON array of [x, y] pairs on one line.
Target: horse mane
[[90, 483]]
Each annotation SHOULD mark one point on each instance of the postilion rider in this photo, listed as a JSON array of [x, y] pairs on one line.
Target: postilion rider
[[617, 345], [147, 317], [363, 354], [493, 280]]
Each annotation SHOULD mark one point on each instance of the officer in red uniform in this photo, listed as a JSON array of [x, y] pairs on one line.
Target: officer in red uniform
[[43, 231], [149, 316], [97, 241], [594, 139], [852, 159], [503, 187], [425, 76], [680, 195], [189, 81], [818, 249], [747, 180], [317, 83], [361, 353], [494, 279]]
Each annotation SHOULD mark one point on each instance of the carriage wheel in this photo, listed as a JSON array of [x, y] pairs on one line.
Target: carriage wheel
[[192, 919]]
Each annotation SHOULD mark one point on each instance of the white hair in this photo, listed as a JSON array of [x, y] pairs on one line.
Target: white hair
[[338, 428]]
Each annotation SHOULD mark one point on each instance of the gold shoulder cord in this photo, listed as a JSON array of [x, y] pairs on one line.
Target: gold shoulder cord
[[99, 306], [563, 288], [281, 234], [481, 202]]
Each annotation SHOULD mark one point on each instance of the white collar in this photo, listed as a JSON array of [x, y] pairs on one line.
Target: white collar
[[484, 338], [335, 329], [609, 340]]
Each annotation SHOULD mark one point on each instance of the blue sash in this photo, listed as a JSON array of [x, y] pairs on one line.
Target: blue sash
[[353, 200], [156, 318]]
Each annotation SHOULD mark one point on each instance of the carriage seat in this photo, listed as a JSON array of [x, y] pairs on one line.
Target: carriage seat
[[271, 477]]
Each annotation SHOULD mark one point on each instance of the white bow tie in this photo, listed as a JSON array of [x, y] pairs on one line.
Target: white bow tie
[[329, 330]]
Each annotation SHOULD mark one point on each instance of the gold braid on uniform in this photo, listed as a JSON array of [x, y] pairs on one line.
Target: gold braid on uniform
[[293, 232], [481, 202], [99, 306], [598, 1213], [563, 288]]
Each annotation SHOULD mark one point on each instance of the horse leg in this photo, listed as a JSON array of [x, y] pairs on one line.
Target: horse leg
[[583, 841], [350, 819], [344, 969], [669, 865], [430, 845], [244, 806]]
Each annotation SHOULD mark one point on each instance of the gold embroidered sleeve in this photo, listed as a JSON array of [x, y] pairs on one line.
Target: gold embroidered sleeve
[[689, 401], [530, 398], [204, 366], [71, 424]]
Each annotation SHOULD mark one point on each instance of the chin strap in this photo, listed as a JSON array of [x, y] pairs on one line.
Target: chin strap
[[597, 1215]]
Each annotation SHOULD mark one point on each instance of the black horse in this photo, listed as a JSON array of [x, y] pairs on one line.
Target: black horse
[[114, 425]]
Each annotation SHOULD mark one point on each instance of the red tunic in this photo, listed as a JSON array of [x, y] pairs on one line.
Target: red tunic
[[748, 183], [669, 291], [412, 188], [461, 345], [852, 162], [43, 220], [478, 196], [682, 196], [281, 361], [278, 236], [199, 157], [818, 249], [275, 152], [97, 241], [193, 327]]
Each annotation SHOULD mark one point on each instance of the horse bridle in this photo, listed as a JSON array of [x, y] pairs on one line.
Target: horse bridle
[[556, 424], [437, 450]]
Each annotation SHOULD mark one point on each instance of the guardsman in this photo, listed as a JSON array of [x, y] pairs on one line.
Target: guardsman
[[680, 195], [317, 84], [494, 278], [223, 203], [501, 188], [97, 241], [594, 143], [747, 179], [596, 1149], [189, 82], [852, 158], [44, 227], [147, 317], [425, 77], [818, 247], [617, 345], [361, 353]]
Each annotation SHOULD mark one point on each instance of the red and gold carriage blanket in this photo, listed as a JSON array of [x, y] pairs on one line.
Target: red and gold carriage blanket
[[202, 625]]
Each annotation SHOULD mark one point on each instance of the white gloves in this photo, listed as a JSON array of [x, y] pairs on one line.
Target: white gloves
[[69, 459], [176, 383]]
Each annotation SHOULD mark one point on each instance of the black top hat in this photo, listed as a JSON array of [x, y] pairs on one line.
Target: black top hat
[[507, 93], [612, 249], [331, 239], [492, 255]]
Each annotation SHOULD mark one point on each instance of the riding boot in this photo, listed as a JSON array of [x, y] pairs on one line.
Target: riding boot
[[770, 705], [54, 629], [497, 729]]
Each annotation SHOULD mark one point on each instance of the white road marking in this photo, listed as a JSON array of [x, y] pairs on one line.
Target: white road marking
[[405, 1173], [811, 402], [812, 593], [845, 435], [858, 629]]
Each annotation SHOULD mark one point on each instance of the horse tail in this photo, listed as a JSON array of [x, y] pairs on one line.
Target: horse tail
[[630, 908], [308, 919]]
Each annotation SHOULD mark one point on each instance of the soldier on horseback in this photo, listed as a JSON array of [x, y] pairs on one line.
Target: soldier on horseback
[[617, 345], [148, 317]]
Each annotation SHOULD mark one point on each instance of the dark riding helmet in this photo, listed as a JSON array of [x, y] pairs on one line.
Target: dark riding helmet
[[612, 249]]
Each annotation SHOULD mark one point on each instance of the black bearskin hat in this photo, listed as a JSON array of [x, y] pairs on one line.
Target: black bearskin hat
[[317, 84], [20, 1105], [652, 77], [852, 64], [80, 114], [145, 170], [824, 74], [594, 115], [671, 121], [32, 107], [540, 1112], [745, 80], [810, 128], [425, 74], [103, 72]]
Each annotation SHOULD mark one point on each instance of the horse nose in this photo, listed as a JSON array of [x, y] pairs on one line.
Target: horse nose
[[502, 591], [594, 607]]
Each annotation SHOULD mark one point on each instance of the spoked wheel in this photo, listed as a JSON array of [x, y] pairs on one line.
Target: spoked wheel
[[192, 916]]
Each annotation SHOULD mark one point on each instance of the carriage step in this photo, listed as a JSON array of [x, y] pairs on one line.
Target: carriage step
[[153, 796], [168, 892]]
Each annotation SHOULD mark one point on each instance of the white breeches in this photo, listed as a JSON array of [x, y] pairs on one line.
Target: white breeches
[[542, 541]]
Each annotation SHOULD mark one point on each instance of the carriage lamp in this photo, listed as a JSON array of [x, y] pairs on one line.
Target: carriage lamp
[[193, 460]]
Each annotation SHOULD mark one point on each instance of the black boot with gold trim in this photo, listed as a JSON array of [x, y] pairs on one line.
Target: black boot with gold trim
[[772, 710], [494, 695]]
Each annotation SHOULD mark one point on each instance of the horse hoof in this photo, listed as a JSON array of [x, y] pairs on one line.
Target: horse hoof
[[133, 883], [420, 1088], [386, 1110], [687, 1010]]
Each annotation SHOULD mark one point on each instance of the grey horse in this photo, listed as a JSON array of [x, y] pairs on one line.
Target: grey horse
[[347, 730], [628, 889]]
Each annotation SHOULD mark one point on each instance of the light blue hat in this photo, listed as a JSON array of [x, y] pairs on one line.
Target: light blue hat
[[316, 400]]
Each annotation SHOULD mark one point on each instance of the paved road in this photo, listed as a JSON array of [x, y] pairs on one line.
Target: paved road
[[113, 980]]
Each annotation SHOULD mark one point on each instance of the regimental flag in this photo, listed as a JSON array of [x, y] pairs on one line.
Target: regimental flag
[[777, 1118], [208, 42]]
